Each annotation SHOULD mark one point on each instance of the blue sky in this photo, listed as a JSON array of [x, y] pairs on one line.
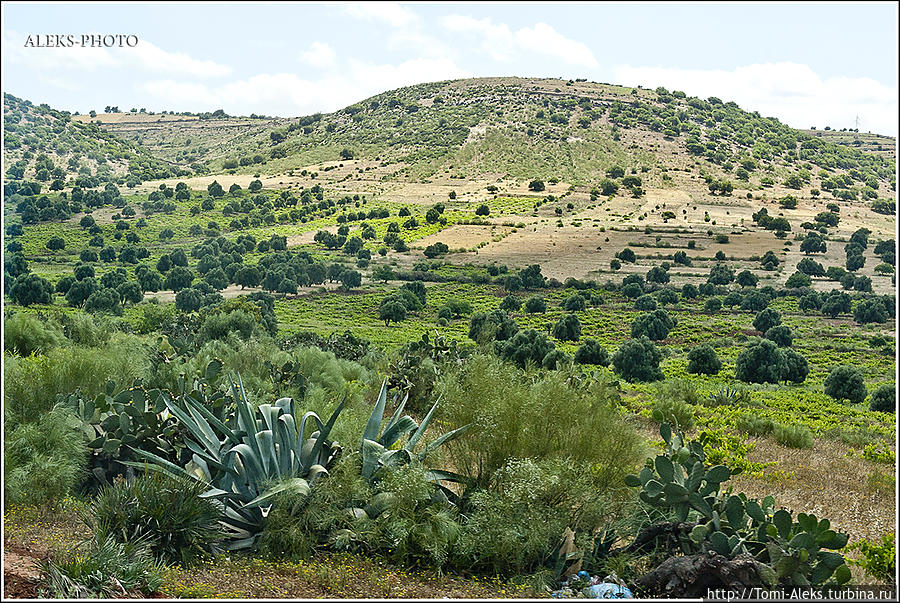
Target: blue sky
[[807, 64]]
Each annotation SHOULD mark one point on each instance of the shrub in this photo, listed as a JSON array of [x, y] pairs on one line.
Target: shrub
[[535, 304], [667, 296], [568, 328], [781, 335], [653, 325], [845, 383], [555, 359], [167, 514], [645, 303], [32, 384], [638, 360], [673, 411], [103, 571], [795, 368], [525, 347], [883, 399], [689, 291], [702, 360], [514, 527], [810, 301], [30, 289], [766, 319], [43, 460], [878, 559], [511, 303], [220, 324], [798, 280], [793, 436], [573, 303], [713, 305], [517, 417], [870, 310], [754, 425], [490, 326], [762, 362], [25, 334], [591, 352]]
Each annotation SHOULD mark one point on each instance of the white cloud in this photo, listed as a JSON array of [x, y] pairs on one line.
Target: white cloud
[[289, 95], [150, 57], [792, 92], [387, 12], [145, 57], [319, 55], [503, 44]]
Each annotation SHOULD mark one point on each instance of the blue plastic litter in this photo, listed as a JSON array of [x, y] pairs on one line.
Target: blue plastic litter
[[608, 590]]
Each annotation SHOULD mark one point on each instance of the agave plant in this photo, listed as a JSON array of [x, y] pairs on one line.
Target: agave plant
[[239, 458], [379, 448]]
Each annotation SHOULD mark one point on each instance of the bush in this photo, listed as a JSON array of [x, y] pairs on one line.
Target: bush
[[514, 416], [490, 326], [766, 319], [645, 303], [30, 289], [754, 425], [102, 571], [525, 347], [878, 559], [220, 324], [793, 436], [713, 305], [573, 303], [762, 362], [798, 280], [555, 359], [673, 411], [845, 383], [535, 305], [167, 514], [511, 303], [781, 335], [638, 360], [43, 460], [870, 310], [25, 334], [514, 527], [591, 352], [653, 325], [795, 368], [884, 399], [32, 384], [702, 360], [568, 328]]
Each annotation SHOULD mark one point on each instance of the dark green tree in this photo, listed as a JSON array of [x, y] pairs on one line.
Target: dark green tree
[[762, 362], [591, 352], [638, 360], [702, 360], [845, 383]]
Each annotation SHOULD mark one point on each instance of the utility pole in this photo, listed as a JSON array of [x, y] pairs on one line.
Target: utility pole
[[856, 136]]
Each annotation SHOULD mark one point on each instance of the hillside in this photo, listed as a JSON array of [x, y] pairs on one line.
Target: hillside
[[48, 145], [576, 272], [521, 128]]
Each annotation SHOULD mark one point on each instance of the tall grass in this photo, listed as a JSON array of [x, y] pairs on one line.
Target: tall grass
[[543, 415], [25, 334], [43, 460], [31, 384]]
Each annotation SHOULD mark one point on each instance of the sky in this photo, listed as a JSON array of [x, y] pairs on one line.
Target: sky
[[806, 64]]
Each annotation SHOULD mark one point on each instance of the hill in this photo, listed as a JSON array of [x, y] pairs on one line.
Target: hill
[[49, 145]]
